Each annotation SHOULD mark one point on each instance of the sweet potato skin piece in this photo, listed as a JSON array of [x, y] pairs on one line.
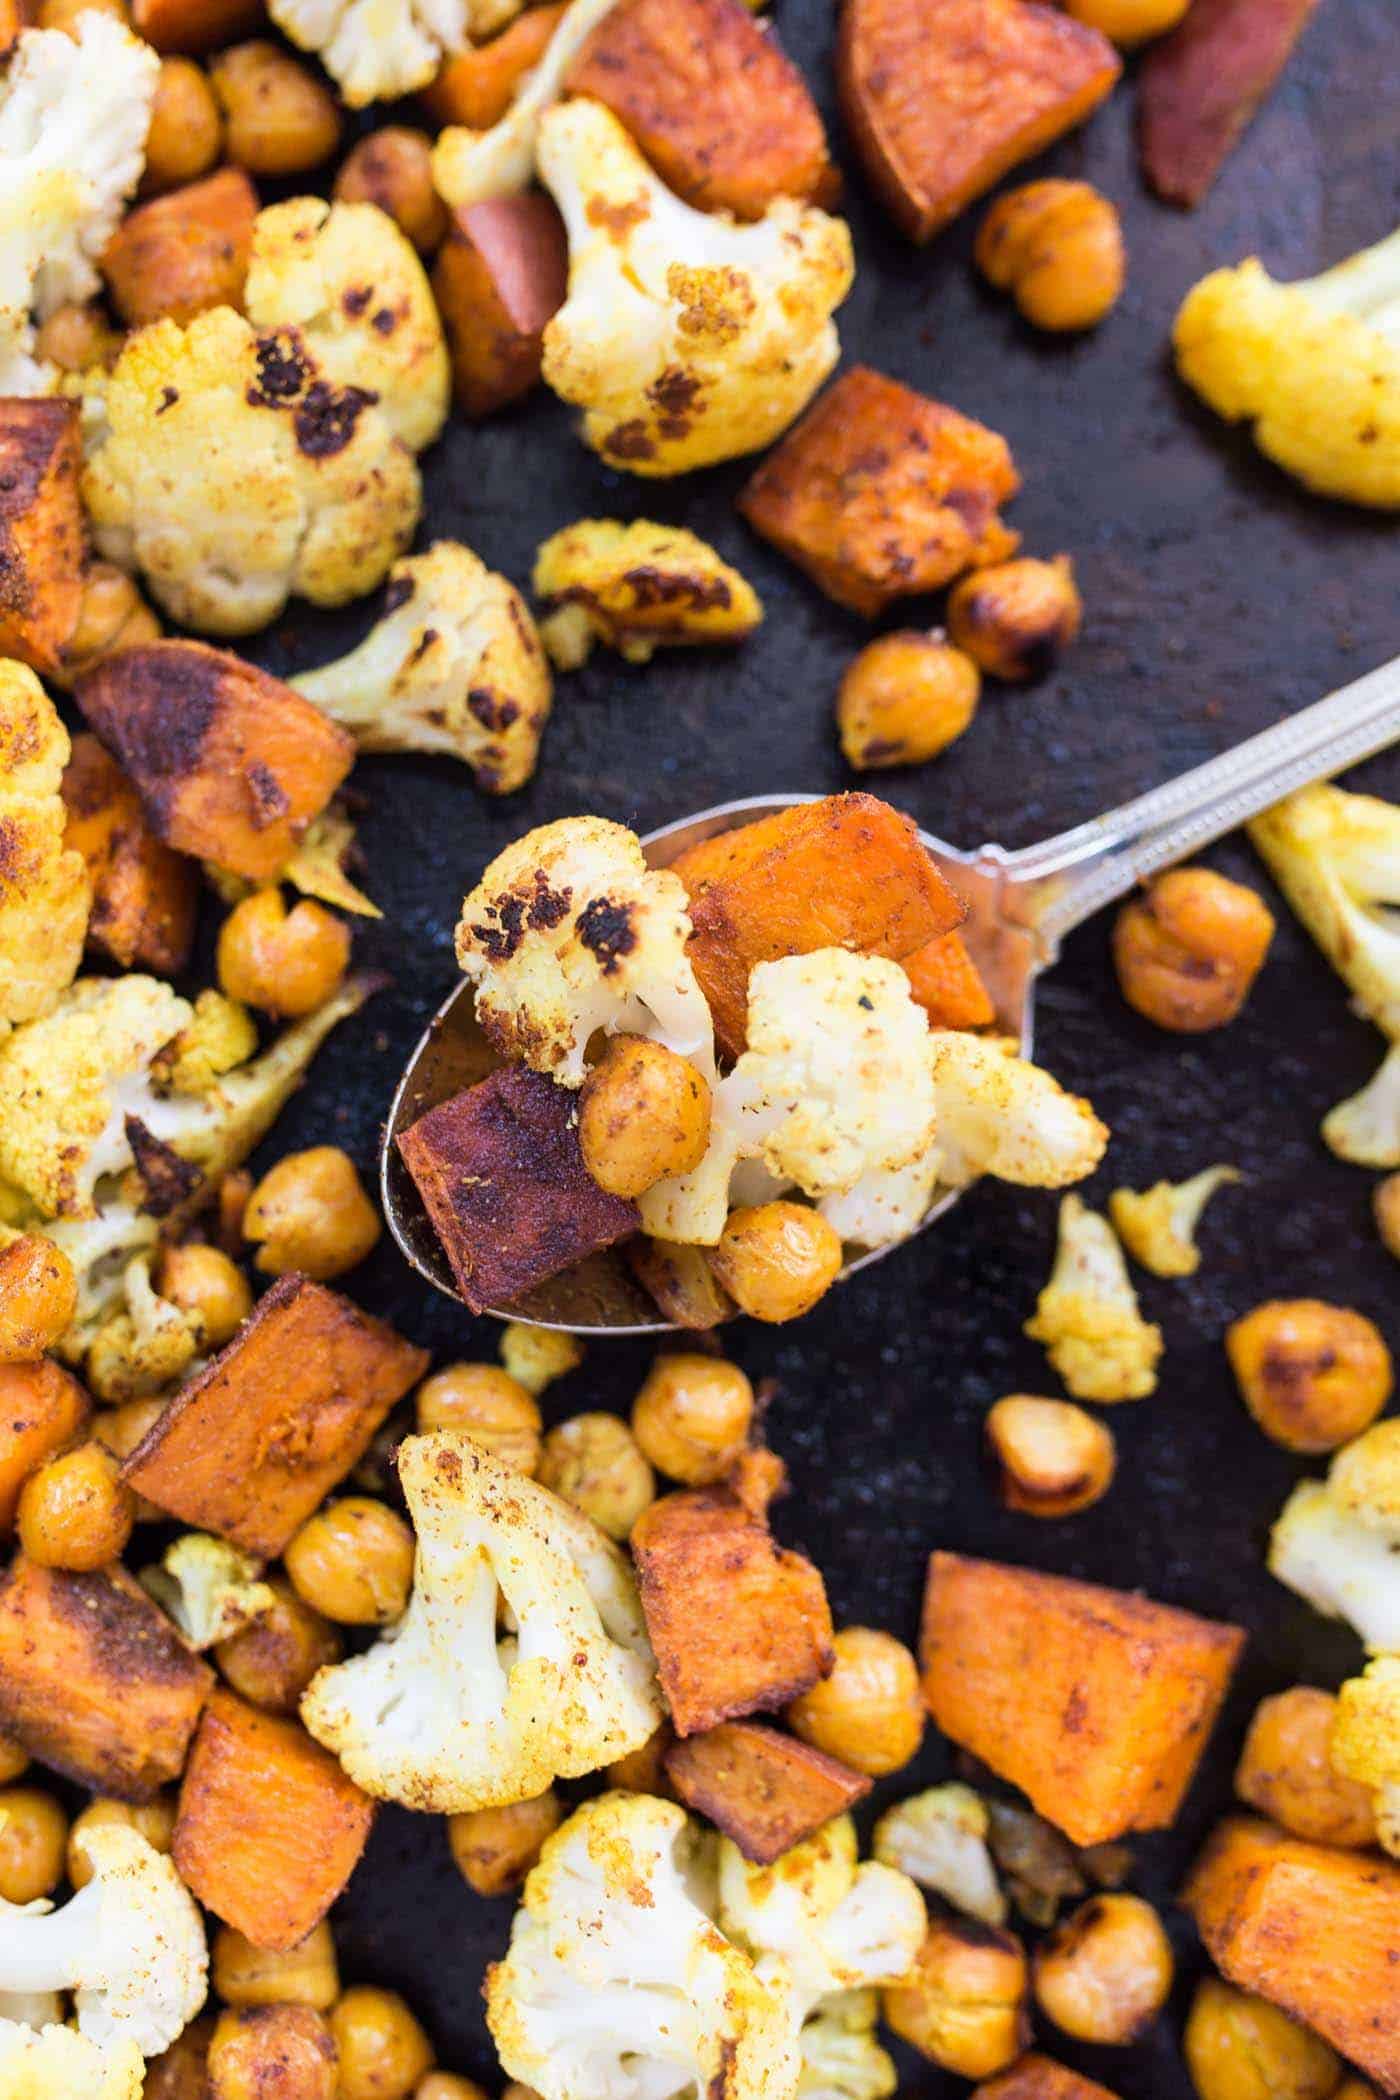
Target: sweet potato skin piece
[[847, 871], [184, 252], [1095, 1702], [1312, 1928], [715, 104], [1202, 86], [144, 896], [500, 277], [942, 97], [269, 1828], [253, 1443], [230, 764], [195, 26], [881, 493], [478, 85], [948, 985], [41, 531], [1037, 2077], [765, 1790], [42, 1408], [94, 1679]]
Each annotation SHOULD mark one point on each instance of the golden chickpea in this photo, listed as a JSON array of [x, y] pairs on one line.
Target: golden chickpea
[[1054, 1458], [310, 1213], [65, 14], [383, 2050], [112, 615], [777, 1259], [489, 1405], [393, 168], [535, 1356], [681, 1282], [120, 1429], [1286, 1773], [593, 1461], [77, 338], [181, 2073], [271, 1662], [187, 128], [1386, 1203], [38, 1298], [904, 699], [1312, 1375], [869, 1713], [284, 962], [1057, 247], [353, 1562], [304, 1975], [1242, 2048], [1015, 617], [272, 2052], [74, 1513], [495, 1848], [33, 1834], [1128, 21], [1188, 950], [280, 119], [644, 1113], [203, 1282], [152, 1820], [14, 1761], [644, 1771], [963, 2004], [444, 2085], [692, 1416], [1104, 1973]]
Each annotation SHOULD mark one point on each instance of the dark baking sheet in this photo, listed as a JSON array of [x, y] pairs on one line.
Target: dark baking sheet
[[1218, 597]]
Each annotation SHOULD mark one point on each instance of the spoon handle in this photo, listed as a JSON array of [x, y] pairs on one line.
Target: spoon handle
[[1054, 887]]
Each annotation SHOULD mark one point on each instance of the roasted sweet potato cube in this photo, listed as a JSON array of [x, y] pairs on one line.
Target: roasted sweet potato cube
[[1314, 1929], [502, 1178], [943, 96], [253, 1443], [948, 984], [144, 895], [714, 102], [41, 530], [185, 252], [764, 1790], [195, 25], [1095, 1702], [500, 276], [269, 1828], [1040, 2078], [231, 765], [739, 1624], [42, 1408], [880, 493], [846, 872], [94, 1679], [477, 86], [1201, 87], [12, 20]]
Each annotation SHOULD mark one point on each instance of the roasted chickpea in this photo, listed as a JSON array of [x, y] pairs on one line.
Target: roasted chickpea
[[644, 1771], [181, 2073], [33, 1834], [445, 2085], [1015, 617], [112, 615], [14, 1761], [904, 699], [393, 168], [495, 1848], [963, 2004], [681, 1282], [152, 1820], [353, 1562], [283, 962], [869, 1712], [75, 1513], [280, 119], [203, 1282], [1104, 1973], [42, 1408], [644, 1113], [1128, 21], [271, 1662], [1054, 1458], [1057, 247], [76, 339], [776, 1259], [1188, 950], [592, 1460], [383, 2050], [1386, 1204], [1242, 2048], [692, 1416], [120, 1429], [490, 1406], [1285, 1771], [187, 128], [65, 14], [535, 1356], [38, 1298], [304, 1975], [310, 1214], [272, 2052], [1312, 1375]]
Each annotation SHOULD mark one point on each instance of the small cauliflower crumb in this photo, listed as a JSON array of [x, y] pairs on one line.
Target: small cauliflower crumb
[[1158, 1225], [1087, 1315]]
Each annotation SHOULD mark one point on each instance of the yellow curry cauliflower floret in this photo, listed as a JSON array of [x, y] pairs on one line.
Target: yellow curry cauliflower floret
[[44, 892], [635, 587], [54, 2063], [1158, 1225], [1087, 1315], [220, 1035], [1365, 1742]]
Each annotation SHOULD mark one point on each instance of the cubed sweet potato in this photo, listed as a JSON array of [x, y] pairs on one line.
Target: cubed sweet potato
[[94, 1679], [477, 86], [144, 895], [231, 765], [12, 20], [42, 1408], [739, 1624], [943, 96], [269, 1828], [1313, 1929], [41, 530], [500, 276], [1040, 2078], [764, 1790], [253, 1443], [1095, 1702], [196, 25], [713, 100], [1201, 87], [948, 984], [846, 872], [185, 252], [881, 493], [501, 1175]]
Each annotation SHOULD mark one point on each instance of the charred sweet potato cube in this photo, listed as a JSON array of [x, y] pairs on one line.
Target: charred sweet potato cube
[[1201, 86], [880, 493], [739, 1624], [231, 765], [500, 276], [943, 96], [1312, 1928], [195, 25], [948, 984], [1040, 2078], [259, 1437], [1096, 1703], [185, 252], [144, 895], [764, 1790], [269, 1828], [42, 1408], [501, 1175], [41, 530], [845, 872], [94, 1679], [477, 86], [714, 102]]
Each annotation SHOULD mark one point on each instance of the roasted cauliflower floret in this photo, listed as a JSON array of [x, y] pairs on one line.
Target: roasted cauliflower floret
[[939, 1838], [471, 167], [1315, 367], [685, 338], [209, 1588], [1087, 1316], [1158, 1225], [1364, 1479], [455, 666], [443, 1715], [376, 50], [1339, 1550], [146, 1347], [219, 1035], [636, 588], [841, 2058], [619, 1986], [44, 892], [1365, 1742], [101, 1250], [54, 2063], [235, 475]]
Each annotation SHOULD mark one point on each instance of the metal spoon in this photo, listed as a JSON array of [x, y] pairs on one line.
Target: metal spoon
[[1020, 907]]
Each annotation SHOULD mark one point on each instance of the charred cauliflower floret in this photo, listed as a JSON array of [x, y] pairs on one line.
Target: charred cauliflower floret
[[54, 2063], [455, 666], [44, 892], [1087, 1316], [636, 588], [1158, 1225], [377, 50], [235, 475], [685, 338], [1365, 1742], [209, 1588], [471, 167]]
